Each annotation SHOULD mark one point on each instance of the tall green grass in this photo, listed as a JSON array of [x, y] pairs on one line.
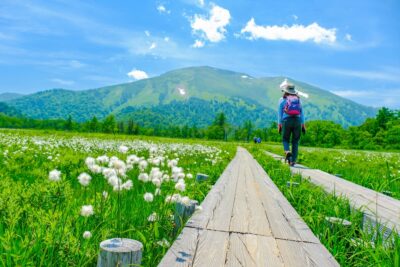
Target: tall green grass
[[40, 221]]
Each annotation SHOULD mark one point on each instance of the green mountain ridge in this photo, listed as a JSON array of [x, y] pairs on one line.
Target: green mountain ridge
[[200, 91]]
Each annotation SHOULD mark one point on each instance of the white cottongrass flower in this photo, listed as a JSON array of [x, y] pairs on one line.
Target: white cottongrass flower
[[143, 164], [87, 210], [123, 149], [105, 194], [55, 175], [114, 181], [108, 172], [87, 235], [144, 177], [148, 197], [103, 159], [189, 176], [127, 185], [90, 161], [132, 159], [84, 179], [185, 201], [95, 168], [156, 182], [164, 243], [181, 186], [152, 217]]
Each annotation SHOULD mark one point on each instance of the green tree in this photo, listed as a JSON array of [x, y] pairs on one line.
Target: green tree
[[109, 124]]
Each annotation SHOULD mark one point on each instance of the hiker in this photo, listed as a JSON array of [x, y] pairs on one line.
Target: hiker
[[290, 121]]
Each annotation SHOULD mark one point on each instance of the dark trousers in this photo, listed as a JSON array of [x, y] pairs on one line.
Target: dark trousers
[[291, 127]]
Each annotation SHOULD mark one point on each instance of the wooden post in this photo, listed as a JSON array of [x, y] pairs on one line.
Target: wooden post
[[201, 177], [183, 212], [290, 184], [120, 252]]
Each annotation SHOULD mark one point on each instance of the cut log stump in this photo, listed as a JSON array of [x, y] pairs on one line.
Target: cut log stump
[[120, 252]]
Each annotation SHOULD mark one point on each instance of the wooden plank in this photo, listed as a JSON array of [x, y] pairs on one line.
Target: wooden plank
[[211, 249], [253, 250], [221, 216], [304, 254], [213, 198], [248, 215], [182, 251]]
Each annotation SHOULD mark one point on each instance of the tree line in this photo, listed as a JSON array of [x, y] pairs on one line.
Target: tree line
[[381, 132]]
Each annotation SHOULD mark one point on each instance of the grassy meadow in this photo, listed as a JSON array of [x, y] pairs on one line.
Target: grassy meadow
[[63, 193]]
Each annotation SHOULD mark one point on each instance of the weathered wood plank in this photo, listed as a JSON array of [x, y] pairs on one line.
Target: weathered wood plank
[[304, 254], [248, 214], [211, 249], [183, 250], [253, 250]]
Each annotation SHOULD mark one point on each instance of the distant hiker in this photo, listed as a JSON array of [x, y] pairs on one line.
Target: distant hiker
[[255, 140], [290, 121], [258, 140]]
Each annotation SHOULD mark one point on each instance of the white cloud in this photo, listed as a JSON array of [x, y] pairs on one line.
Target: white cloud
[[201, 2], [166, 39], [62, 82], [163, 9], [372, 97], [147, 33], [152, 46], [300, 33], [137, 74], [348, 37], [212, 28], [198, 44]]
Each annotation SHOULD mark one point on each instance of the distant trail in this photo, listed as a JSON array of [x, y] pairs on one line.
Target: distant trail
[[246, 221], [376, 206]]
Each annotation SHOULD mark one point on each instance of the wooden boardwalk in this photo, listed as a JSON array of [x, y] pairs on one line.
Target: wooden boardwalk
[[376, 206], [246, 221]]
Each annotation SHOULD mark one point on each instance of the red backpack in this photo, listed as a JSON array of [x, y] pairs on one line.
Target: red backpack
[[292, 106]]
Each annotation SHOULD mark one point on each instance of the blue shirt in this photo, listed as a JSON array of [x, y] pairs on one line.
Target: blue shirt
[[283, 116]]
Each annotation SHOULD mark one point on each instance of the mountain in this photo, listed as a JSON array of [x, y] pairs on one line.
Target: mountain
[[190, 96], [9, 96]]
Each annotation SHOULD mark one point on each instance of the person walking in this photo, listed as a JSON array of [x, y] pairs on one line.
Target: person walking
[[290, 121]]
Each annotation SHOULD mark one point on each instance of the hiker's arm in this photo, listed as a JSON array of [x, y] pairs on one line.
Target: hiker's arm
[[280, 111]]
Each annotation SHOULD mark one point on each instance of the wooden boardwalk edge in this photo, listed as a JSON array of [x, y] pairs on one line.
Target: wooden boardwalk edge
[[246, 221]]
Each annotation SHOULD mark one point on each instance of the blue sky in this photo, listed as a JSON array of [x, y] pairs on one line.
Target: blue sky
[[351, 48]]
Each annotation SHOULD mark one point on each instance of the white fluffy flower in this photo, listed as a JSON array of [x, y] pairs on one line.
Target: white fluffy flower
[[84, 179], [127, 185], [185, 201], [143, 164], [114, 181], [87, 235], [153, 217], [108, 172], [95, 168], [148, 197], [189, 176], [87, 210], [123, 149], [90, 161], [164, 243], [156, 182], [180, 186], [144, 177], [105, 194], [132, 159], [55, 175], [103, 159]]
